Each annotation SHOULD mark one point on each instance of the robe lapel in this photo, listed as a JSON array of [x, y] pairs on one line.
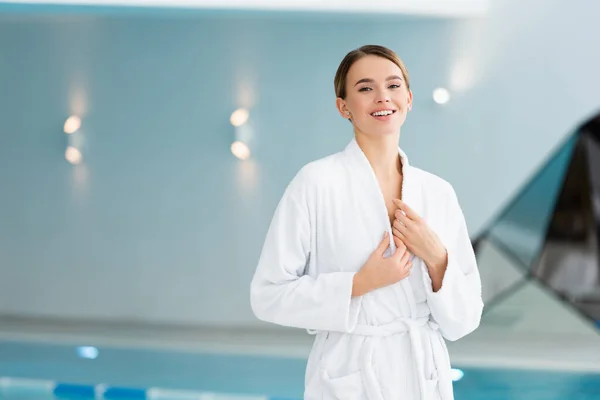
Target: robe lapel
[[412, 196], [377, 221]]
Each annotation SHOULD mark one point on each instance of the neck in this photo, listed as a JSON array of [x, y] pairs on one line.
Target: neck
[[382, 153]]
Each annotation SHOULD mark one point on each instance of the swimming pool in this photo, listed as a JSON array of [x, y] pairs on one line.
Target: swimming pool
[[46, 371]]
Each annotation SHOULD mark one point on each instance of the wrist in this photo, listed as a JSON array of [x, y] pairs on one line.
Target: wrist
[[359, 284], [439, 261]]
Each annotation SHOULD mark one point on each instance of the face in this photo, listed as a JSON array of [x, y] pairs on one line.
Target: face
[[377, 98]]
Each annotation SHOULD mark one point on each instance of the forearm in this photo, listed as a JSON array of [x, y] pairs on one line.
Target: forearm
[[437, 270], [360, 285]]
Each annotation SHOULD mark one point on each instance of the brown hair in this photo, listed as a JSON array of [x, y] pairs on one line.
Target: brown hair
[[339, 81]]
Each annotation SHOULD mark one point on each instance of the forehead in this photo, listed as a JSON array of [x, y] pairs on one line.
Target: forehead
[[373, 67]]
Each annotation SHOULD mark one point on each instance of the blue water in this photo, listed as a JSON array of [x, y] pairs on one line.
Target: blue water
[[130, 372]]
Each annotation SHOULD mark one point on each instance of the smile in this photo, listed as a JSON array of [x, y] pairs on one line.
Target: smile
[[383, 113]]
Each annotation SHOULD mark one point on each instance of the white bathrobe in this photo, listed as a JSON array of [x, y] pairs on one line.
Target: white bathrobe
[[385, 345]]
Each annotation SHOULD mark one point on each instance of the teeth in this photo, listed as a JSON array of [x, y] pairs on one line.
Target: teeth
[[382, 113]]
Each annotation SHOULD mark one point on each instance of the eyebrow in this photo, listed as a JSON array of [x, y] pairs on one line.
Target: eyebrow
[[389, 78]]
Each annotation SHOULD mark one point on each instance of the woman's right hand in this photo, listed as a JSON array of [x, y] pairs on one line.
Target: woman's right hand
[[379, 271]]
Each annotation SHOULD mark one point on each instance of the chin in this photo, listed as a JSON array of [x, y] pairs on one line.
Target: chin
[[380, 130], [388, 130]]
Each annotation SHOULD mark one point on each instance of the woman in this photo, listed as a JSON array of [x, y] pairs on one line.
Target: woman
[[380, 307]]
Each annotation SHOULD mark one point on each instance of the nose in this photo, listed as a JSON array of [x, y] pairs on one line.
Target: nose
[[382, 97]]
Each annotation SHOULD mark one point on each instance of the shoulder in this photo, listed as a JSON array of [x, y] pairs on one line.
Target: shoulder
[[318, 172], [434, 185], [441, 195], [314, 175], [430, 180]]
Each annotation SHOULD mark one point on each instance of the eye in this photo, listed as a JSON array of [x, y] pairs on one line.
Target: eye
[[394, 86], [364, 89]]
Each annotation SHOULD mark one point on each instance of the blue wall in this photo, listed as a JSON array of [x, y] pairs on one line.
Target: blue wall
[[160, 222]]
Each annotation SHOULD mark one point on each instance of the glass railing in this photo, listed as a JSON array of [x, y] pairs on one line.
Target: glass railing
[[540, 259]]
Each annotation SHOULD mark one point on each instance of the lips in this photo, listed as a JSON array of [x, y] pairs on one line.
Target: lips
[[383, 113]]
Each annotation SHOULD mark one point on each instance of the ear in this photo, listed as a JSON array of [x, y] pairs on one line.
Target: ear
[[342, 108]]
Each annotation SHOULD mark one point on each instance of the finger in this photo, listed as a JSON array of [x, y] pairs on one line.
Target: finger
[[399, 243], [401, 249], [400, 252], [401, 216], [385, 243], [406, 268], [399, 235], [410, 213], [405, 260], [401, 227]]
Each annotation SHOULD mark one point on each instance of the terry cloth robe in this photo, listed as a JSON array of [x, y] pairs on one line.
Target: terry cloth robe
[[388, 344]]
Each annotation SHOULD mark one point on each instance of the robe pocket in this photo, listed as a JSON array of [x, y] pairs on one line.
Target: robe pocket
[[346, 387], [431, 389]]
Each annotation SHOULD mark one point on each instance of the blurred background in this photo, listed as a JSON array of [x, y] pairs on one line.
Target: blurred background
[[144, 146]]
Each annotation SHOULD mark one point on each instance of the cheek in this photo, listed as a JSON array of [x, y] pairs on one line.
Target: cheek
[[402, 101], [359, 105]]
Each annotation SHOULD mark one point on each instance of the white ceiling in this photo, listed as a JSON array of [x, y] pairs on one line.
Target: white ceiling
[[447, 8]]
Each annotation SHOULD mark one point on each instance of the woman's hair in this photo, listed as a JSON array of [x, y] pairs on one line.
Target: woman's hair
[[339, 81]]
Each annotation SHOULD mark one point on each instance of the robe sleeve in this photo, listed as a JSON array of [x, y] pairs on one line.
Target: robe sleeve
[[282, 293], [458, 305]]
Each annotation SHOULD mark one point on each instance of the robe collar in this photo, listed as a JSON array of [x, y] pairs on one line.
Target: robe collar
[[411, 191], [354, 150]]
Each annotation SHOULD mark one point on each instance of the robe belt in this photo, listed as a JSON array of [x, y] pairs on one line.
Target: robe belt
[[400, 325]]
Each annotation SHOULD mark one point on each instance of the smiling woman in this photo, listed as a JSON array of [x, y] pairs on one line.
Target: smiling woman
[[358, 68], [380, 307]]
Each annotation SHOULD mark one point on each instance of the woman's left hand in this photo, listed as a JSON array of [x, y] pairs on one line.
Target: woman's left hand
[[419, 238]]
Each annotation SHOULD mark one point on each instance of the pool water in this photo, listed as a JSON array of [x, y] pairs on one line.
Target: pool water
[[44, 371]]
